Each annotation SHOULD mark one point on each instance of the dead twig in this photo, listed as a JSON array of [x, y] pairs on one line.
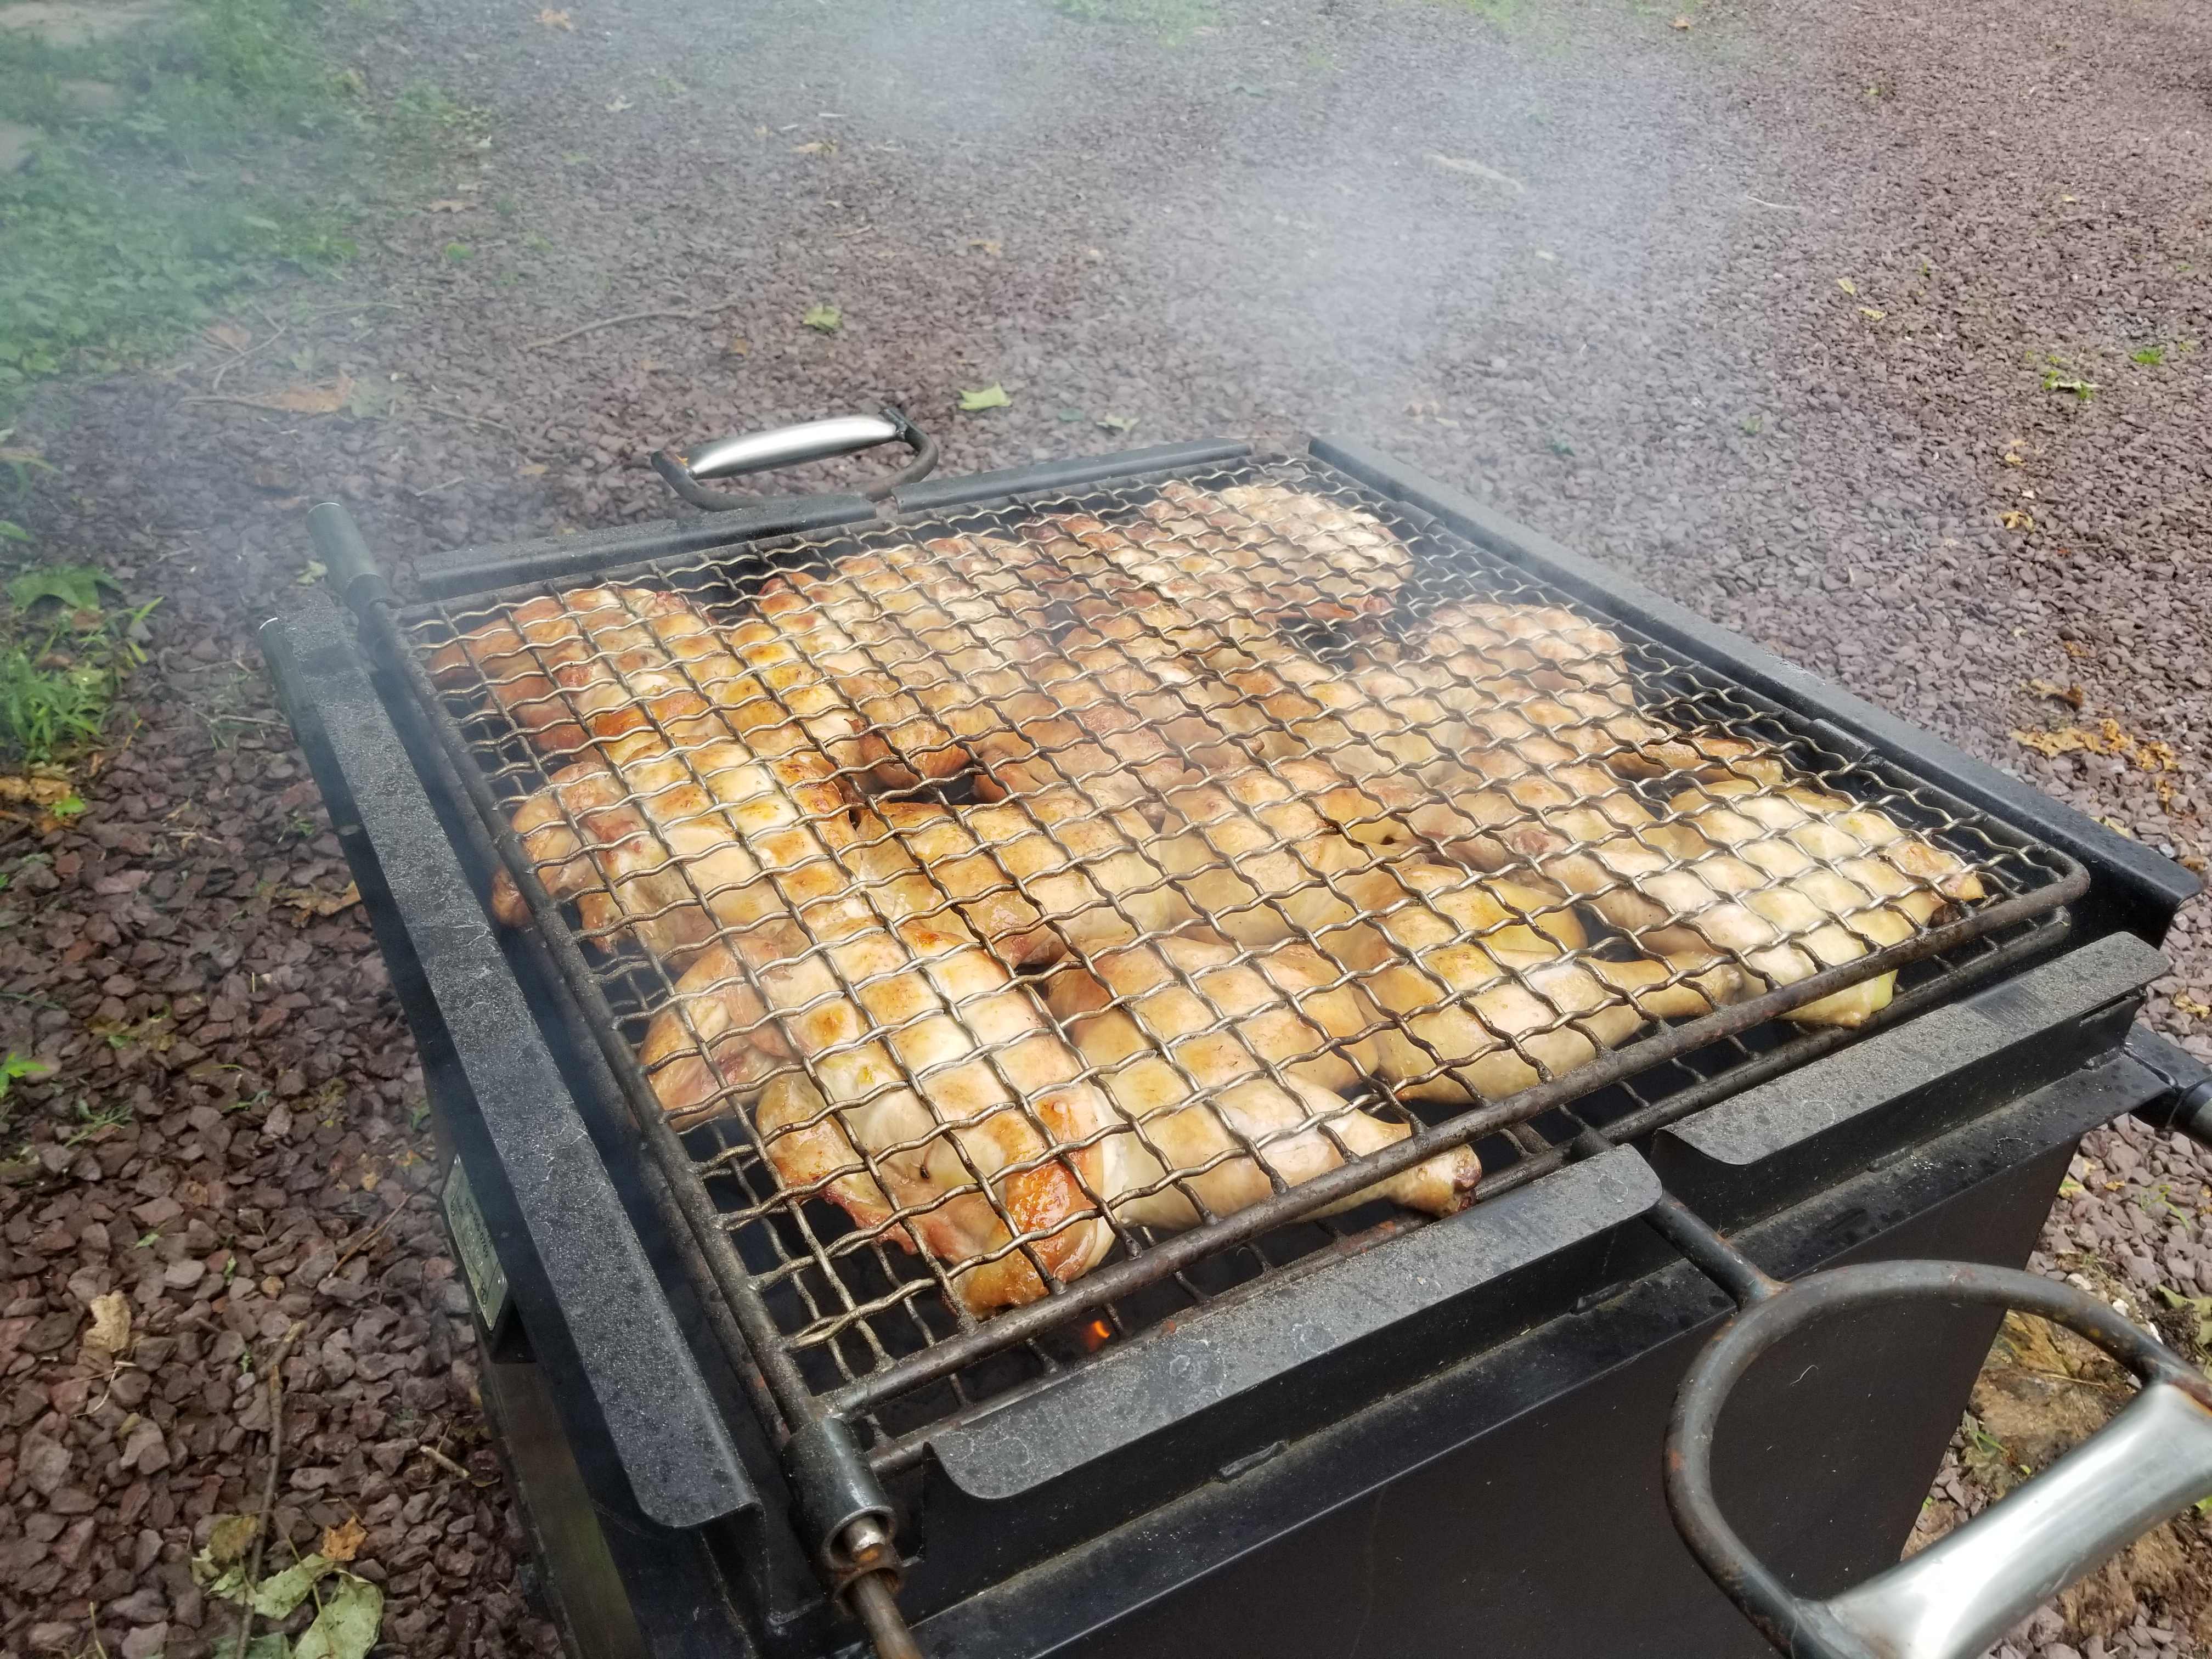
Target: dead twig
[[368, 1237], [447, 1463], [265, 407], [269, 1485], [465, 420], [216, 385], [628, 317]]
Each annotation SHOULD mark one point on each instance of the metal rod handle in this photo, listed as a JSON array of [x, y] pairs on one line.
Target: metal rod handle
[[795, 446], [1956, 1597]]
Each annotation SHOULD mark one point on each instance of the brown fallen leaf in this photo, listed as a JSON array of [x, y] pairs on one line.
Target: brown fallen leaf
[[309, 902], [343, 1541], [111, 1323], [738, 346], [2110, 738], [1871, 314], [819, 146], [550, 19], [2073, 695], [230, 1537], [309, 399], [230, 334], [1680, 23], [2016, 519], [36, 790], [534, 470], [985, 243], [448, 205]]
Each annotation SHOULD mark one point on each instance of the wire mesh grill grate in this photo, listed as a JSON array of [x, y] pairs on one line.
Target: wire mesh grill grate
[[989, 901]]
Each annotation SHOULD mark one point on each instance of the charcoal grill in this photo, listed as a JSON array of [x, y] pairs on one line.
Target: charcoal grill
[[739, 1419]]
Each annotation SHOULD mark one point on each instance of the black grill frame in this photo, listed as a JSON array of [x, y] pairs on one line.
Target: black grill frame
[[2126, 885]]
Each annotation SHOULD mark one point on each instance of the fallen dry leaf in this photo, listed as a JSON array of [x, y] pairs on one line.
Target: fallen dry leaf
[[819, 146], [738, 346], [1459, 164], [309, 902], [2073, 695], [2185, 1004], [111, 1323], [310, 399], [550, 19], [1847, 285], [985, 243], [449, 205], [534, 470], [343, 1541], [2015, 520], [230, 1537], [36, 790], [1871, 314], [2109, 739], [1680, 23], [230, 334]]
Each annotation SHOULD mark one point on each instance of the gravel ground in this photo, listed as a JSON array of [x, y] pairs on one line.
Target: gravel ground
[[1780, 311]]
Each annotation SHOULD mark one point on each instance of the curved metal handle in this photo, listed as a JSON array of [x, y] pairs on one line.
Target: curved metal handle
[[1960, 1594], [795, 445]]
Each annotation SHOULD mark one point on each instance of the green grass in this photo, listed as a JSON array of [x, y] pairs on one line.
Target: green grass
[[129, 225], [64, 655]]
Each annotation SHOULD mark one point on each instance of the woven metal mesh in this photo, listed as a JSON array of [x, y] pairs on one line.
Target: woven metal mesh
[[986, 900]]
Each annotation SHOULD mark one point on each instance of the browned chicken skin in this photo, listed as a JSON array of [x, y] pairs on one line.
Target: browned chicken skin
[[1282, 879]]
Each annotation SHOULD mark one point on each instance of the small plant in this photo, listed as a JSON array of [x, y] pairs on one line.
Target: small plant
[[63, 657], [2059, 376], [2150, 355], [426, 129], [20, 1068], [823, 319], [92, 1120]]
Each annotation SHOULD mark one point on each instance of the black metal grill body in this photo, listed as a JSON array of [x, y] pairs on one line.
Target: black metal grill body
[[1408, 1431]]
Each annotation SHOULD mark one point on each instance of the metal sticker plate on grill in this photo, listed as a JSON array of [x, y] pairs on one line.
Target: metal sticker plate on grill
[[1023, 926], [472, 1239]]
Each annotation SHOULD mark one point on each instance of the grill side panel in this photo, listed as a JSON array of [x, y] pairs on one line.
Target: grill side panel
[[579, 1266]]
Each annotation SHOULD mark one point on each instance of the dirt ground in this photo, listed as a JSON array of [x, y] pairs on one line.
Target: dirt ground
[[1879, 335]]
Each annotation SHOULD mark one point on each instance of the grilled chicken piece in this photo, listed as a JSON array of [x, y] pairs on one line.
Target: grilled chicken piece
[[1270, 553], [1480, 736], [712, 852], [1228, 1084], [946, 1099]]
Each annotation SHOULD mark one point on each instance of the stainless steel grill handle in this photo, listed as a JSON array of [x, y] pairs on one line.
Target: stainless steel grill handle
[[795, 446], [1963, 1592]]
